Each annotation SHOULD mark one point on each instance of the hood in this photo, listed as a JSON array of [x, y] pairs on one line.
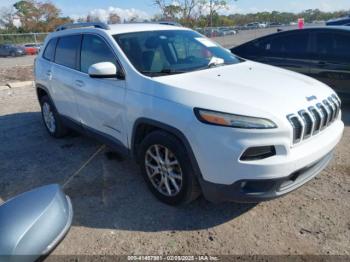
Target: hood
[[243, 88]]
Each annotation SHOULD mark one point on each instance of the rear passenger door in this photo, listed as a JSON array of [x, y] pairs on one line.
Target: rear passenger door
[[43, 65], [64, 71], [331, 60], [100, 100]]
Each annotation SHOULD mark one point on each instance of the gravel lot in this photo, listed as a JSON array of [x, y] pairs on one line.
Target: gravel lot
[[116, 214], [17, 61]]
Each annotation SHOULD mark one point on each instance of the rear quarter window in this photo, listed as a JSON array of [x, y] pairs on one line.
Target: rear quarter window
[[49, 52]]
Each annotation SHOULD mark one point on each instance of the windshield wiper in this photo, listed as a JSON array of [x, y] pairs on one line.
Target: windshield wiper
[[166, 71]]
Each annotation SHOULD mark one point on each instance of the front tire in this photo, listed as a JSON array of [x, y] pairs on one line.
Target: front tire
[[167, 169], [51, 118]]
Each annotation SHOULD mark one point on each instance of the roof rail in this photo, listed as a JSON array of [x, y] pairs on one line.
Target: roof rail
[[168, 23], [80, 25]]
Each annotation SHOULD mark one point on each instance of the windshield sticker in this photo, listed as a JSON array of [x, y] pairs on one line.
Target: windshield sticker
[[206, 42]]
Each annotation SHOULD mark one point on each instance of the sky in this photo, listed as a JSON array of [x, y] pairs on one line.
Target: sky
[[76, 8]]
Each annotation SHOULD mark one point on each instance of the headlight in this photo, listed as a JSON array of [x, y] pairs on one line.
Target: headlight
[[231, 120]]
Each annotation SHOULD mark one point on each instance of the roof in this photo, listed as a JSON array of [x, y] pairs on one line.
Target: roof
[[347, 28], [344, 28], [139, 27], [339, 21], [117, 28], [339, 27]]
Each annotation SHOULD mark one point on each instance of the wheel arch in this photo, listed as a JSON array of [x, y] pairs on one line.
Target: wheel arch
[[41, 91], [143, 126]]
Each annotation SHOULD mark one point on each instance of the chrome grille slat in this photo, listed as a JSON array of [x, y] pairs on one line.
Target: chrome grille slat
[[307, 123], [302, 127], [323, 116], [297, 127], [337, 99], [336, 105], [331, 109], [328, 114], [316, 118]]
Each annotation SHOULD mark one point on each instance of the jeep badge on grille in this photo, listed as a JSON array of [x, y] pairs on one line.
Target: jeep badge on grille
[[310, 98]]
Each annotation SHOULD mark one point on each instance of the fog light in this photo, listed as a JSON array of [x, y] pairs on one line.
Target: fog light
[[258, 153]]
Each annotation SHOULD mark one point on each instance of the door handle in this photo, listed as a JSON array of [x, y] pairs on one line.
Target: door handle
[[322, 63], [49, 74], [79, 83]]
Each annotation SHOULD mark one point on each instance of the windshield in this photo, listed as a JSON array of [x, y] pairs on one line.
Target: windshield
[[156, 53]]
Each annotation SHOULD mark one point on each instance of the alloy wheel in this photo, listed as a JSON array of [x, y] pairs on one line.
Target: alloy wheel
[[163, 170], [49, 117]]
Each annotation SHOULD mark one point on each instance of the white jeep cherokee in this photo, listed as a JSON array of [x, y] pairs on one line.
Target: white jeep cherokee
[[194, 116]]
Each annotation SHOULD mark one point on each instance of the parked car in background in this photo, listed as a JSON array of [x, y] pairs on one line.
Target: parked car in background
[[274, 24], [255, 25], [339, 21], [252, 26], [195, 117], [211, 32], [225, 31], [32, 49], [322, 53], [11, 50]]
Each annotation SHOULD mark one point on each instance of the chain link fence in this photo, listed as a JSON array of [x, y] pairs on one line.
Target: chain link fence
[[19, 39], [226, 37]]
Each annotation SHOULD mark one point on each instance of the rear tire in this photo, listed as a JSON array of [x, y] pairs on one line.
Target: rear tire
[[51, 118], [167, 169]]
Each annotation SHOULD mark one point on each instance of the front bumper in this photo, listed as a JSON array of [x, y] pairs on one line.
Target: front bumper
[[224, 177], [254, 191]]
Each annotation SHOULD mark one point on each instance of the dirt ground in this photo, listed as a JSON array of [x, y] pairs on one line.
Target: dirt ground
[[14, 74], [114, 213]]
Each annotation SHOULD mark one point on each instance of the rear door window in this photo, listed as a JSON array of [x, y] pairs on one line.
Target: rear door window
[[296, 45], [292, 45], [67, 51]]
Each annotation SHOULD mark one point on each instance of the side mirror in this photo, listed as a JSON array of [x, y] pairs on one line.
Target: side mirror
[[33, 223], [103, 70]]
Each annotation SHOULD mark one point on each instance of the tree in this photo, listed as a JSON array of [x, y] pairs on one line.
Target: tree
[[39, 16], [28, 14], [7, 18], [114, 19], [214, 6], [171, 12], [134, 18], [177, 10], [190, 11]]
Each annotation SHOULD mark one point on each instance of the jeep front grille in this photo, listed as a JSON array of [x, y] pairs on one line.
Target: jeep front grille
[[307, 123]]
